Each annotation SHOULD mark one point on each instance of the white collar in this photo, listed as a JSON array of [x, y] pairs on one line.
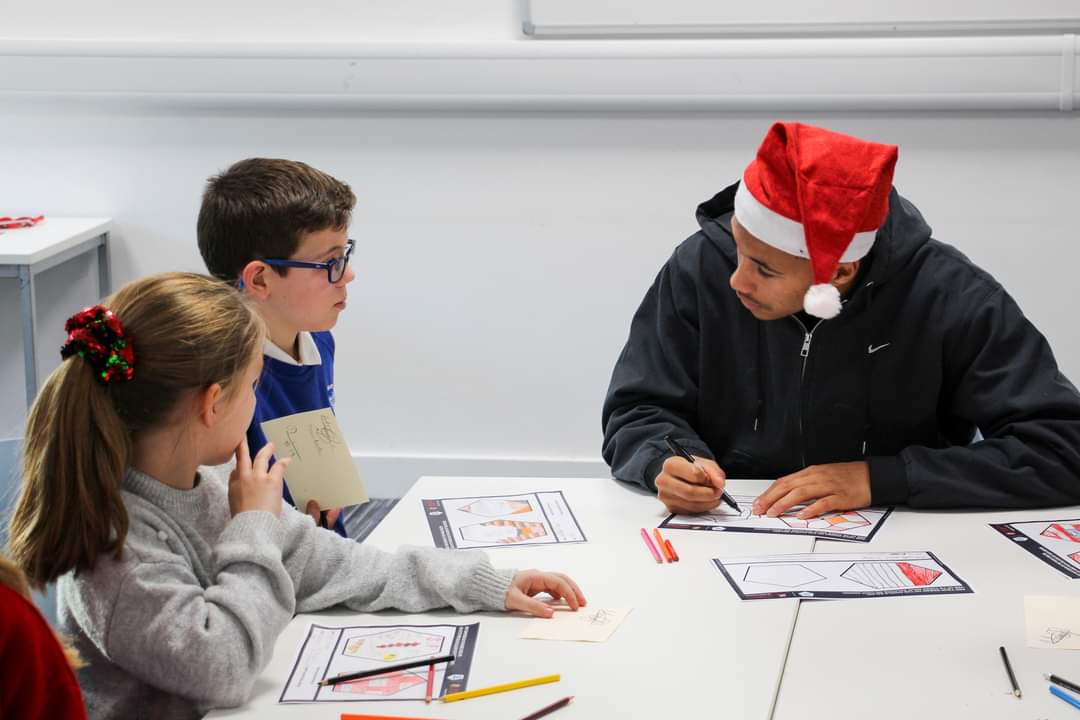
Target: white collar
[[309, 351]]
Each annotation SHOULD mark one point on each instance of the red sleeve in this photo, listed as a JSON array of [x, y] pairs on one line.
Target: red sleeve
[[38, 682]]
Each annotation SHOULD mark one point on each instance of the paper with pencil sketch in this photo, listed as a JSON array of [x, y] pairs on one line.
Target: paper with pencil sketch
[[852, 525], [586, 625], [322, 469], [1052, 621]]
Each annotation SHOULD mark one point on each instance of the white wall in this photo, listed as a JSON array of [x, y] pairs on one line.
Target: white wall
[[501, 256]]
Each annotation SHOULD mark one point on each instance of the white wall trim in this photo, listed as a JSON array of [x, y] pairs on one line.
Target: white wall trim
[[393, 475], [848, 74]]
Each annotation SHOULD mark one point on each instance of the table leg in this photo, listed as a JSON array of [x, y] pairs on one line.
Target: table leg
[[26, 311]]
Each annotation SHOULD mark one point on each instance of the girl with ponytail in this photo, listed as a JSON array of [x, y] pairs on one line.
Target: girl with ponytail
[[175, 574]]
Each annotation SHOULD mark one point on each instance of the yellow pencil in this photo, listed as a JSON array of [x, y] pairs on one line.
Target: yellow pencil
[[453, 697]]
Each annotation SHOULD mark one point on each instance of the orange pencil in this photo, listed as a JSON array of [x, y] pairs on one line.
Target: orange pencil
[[662, 545], [671, 549]]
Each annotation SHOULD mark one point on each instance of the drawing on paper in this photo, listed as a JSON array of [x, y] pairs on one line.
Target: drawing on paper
[[839, 575], [887, 576], [853, 525], [331, 651], [1061, 531], [1052, 541], [503, 531], [497, 507], [504, 520], [787, 576], [382, 685], [1054, 635], [397, 645], [829, 521]]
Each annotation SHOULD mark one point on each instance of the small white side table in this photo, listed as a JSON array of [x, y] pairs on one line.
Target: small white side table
[[26, 252]]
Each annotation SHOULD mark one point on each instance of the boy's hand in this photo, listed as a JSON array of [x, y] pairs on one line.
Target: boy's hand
[[253, 485], [690, 488], [822, 488], [315, 512], [527, 583]]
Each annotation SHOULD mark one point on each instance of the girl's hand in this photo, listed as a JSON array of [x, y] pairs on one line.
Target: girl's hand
[[255, 486], [527, 583]]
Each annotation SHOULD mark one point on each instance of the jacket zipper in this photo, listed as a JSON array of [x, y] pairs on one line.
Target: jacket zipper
[[804, 353]]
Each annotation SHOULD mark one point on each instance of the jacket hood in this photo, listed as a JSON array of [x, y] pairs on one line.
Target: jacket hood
[[900, 236]]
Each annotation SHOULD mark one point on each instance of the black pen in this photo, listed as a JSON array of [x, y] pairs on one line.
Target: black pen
[[681, 452], [384, 670], [1063, 683], [1008, 669]]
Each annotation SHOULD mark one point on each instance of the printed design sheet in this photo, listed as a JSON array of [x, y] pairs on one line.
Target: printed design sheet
[[537, 518], [839, 575], [1055, 542], [853, 525], [330, 651]]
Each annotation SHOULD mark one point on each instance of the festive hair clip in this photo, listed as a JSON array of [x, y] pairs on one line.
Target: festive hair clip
[[96, 335]]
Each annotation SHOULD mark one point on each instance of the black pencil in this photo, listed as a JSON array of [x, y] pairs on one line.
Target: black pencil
[[548, 709], [1063, 683], [388, 669], [1008, 669], [681, 452]]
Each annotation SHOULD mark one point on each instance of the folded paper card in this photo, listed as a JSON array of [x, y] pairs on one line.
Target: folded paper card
[[587, 624], [322, 469], [1052, 621]]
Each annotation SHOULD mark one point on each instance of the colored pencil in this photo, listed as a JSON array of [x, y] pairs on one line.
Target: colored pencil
[[1057, 692], [548, 709], [384, 670], [454, 697], [1009, 670], [649, 543], [671, 549], [662, 545], [1063, 683], [354, 716], [430, 682]]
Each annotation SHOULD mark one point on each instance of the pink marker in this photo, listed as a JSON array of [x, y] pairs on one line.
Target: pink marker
[[652, 548]]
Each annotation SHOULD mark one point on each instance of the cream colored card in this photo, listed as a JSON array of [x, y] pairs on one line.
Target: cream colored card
[[586, 625], [1052, 621], [322, 469]]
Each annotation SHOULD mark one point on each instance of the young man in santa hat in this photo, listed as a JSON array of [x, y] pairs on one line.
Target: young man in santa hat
[[814, 332]]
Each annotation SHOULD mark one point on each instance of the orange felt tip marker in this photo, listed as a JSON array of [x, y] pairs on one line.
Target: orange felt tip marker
[[662, 545], [671, 549]]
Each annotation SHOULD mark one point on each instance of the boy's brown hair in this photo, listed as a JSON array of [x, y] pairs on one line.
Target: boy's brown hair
[[261, 207], [188, 332]]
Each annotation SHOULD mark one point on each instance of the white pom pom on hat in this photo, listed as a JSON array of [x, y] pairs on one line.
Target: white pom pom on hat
[[822, 301], [817, 194]]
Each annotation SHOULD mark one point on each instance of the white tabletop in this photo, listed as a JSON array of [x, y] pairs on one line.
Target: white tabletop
[[907, 657], [52, 236], [690, 645]]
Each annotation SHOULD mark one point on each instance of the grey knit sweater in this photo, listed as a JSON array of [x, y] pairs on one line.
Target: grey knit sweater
[[187, 619]]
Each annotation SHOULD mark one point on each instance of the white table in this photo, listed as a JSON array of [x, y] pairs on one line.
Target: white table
[[932, 656], [26, 252], [689, 647]]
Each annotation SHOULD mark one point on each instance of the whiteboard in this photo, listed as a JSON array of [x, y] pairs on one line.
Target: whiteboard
[[796, 18]]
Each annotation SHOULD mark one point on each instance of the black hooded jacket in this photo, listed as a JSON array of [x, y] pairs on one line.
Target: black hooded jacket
[[928, 349]]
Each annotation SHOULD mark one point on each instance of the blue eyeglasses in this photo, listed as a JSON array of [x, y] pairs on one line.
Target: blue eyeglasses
[[335, 269]]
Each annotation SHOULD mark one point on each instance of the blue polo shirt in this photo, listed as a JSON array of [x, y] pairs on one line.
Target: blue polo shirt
[[287, 387]]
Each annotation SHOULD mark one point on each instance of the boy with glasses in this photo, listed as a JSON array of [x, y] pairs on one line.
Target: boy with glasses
[[278, 229]]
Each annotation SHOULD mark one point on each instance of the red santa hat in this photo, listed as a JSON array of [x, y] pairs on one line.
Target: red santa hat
[[816, 193]]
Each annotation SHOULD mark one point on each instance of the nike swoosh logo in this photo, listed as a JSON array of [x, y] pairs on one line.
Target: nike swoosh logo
[[871, 349]]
